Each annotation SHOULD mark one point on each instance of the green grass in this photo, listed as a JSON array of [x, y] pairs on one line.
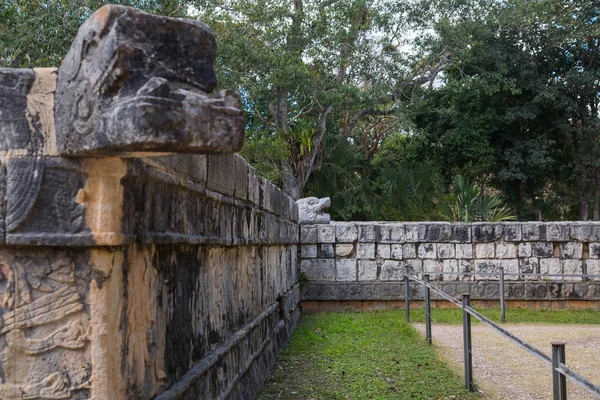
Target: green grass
[[453, 316], [360, 355]]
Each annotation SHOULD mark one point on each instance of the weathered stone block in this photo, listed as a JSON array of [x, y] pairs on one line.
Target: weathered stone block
[[543, 249], [427, 250], [489, 290], [409, 250], [396, 251], [415, 232], [344, 250], [345, 269], [487, 269], [346, 233], [512, 232], [366, 233], [529, 266], [413, 264], [27, 117], [511, 269], [574, 267], [111, 101], [485, 250], [525, 249], [220, 168], [308, 251], [325, 234], [445, 250], [465, 269], [308, 234], [558, 232], [431, 267], [592, 267], [550, 266], [391, 271], [506, 250], [572, 250], [366, 250], [594, 250], [318, 270], [581, 232], [483, 232], [438, 232], [384, 251], [326, 250], [367, 270], [241, 179], [461, 233], [253, 186], [390, 233], [450, 269], [464, 250], [532, 231], [46, 202]]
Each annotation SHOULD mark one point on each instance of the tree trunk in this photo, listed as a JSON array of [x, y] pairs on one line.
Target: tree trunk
[[597, 196], [583, 202], [291, 184]]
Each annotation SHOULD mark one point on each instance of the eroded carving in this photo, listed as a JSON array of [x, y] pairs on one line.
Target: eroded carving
[[43, 198], [136, 82], [311, 210], [43, 328], [55, 386], [70, 336]]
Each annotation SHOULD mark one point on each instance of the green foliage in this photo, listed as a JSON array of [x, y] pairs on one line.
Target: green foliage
[[516, 92], [469, 204], [360, 355], [334, 108], [38, 33], [342, 175]]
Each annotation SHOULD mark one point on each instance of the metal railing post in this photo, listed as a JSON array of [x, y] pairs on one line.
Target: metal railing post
[[559, 381], [406, 294], [502, 303], [427, 310], [468, 356]]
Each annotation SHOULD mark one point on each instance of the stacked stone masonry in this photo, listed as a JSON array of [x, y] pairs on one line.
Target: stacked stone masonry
[[128, 268], [367, 260]]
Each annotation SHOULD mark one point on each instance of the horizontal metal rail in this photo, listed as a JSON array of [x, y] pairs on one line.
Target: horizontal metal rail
[[563, 368], [587, 276], [524, 345]]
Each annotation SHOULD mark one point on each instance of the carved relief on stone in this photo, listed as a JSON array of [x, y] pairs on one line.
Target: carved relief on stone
[[43, 328], [311, 210], [137, 82], [42, 198]]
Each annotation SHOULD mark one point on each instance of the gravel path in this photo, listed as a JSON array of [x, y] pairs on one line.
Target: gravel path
[[502, 370]]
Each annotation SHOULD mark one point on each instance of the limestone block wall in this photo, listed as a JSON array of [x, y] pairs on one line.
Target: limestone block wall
[[130, 269], [367, 260]]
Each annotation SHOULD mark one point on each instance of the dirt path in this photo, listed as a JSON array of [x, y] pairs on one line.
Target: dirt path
[[504, 371]]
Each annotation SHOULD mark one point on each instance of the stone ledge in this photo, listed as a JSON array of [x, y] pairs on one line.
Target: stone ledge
[[483, 290]]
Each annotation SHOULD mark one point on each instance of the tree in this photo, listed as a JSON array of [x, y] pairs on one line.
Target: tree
[[307, 68], [510, 112], [38, 33]]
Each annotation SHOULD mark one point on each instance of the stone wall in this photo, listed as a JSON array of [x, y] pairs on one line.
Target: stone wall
[[128, 271], [367, 260]]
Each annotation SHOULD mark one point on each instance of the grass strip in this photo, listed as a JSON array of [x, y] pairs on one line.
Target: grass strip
[[360, 355], [453, 316]]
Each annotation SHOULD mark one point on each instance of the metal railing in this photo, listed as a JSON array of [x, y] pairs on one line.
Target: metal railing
[[501, 277], [560, 371]]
